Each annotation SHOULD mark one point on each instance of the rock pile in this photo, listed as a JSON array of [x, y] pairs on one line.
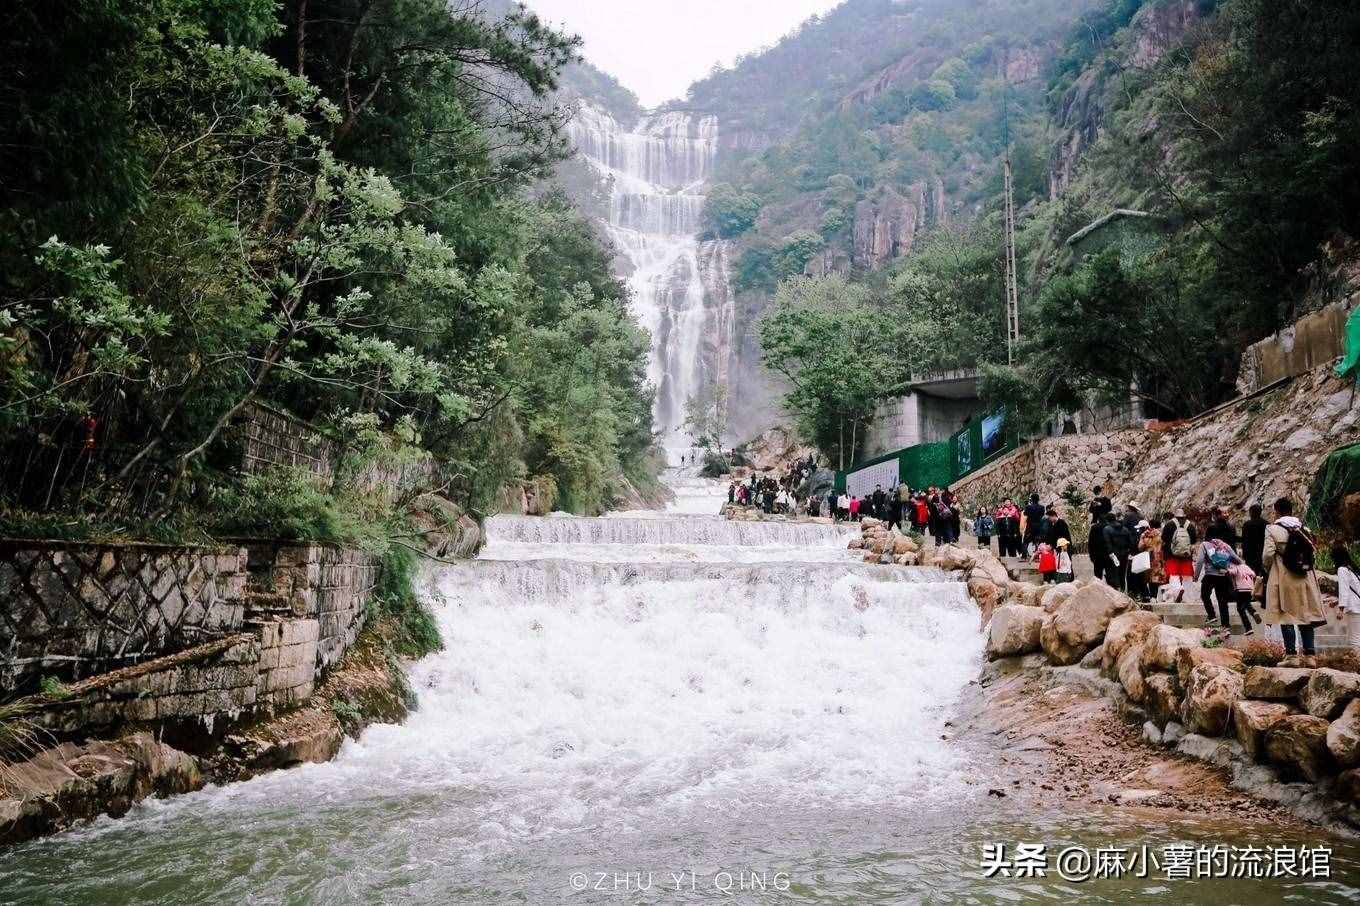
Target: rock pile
[[1303, 720]]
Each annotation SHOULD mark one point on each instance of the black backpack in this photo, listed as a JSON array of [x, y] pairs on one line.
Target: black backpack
[[1298, 553]]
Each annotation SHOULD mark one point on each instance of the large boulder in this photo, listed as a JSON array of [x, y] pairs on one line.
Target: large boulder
[[1187, 659], [1025, 593], [869, 522], [1163, 645], [1079, 623], [1209, 696], [855, 544], [1055, 595], [1130, 674], [1252, 719], [1162, 698], [1299, 743], [904, 545], [991, 569], [985, 594], [951, 556], [1328, 691], [1343, 736], [1128, 630], [1276, 683], [1014, 631]]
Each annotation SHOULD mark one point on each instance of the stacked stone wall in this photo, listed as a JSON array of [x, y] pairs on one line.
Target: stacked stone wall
[[1253, 449], [73, 609]]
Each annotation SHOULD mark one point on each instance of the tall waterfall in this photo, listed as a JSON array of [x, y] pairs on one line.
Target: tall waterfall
[[657, 171]]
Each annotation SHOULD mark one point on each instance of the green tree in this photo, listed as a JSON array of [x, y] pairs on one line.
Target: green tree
[[827, 337], [729, 212]]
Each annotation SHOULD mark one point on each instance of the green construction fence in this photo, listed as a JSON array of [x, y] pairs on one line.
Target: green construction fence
[[983, 439]]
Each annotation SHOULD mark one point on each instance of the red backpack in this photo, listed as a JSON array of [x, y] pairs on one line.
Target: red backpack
[[1048, 561]]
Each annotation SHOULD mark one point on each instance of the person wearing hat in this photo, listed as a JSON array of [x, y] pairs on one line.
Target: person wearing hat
[[1150, 542], [1133, 514], [1064, 573], [1179, 537]]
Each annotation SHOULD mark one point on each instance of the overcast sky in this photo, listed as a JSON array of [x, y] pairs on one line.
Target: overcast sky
[[658, 47]]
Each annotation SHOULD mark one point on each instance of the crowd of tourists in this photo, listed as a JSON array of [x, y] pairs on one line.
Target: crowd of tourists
[[934, 511], [777, 495], [1263, 569]]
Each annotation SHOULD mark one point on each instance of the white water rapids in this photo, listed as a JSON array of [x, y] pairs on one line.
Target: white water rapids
[[642, 709], [694, 675]]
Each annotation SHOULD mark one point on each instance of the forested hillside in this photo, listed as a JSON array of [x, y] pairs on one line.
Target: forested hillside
[[1222, 123], [326, 207]]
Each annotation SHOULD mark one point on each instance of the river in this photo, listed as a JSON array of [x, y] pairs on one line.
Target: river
[[656, 708]]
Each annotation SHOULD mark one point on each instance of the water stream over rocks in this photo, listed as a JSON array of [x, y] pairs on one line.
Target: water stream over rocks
[[660, 708]]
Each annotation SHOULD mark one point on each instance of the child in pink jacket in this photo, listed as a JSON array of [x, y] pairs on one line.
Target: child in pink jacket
[[1244, 584]]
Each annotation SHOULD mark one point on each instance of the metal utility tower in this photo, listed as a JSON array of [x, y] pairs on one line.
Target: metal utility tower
[[1012, 275]]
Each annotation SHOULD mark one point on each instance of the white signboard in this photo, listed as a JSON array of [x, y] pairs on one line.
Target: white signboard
[[864, 481]]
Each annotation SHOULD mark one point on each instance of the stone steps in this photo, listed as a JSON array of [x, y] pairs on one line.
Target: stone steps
[[1191, 614]]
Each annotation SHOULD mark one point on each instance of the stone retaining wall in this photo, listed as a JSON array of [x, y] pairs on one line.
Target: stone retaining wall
[[1253, 449], [75, 609]]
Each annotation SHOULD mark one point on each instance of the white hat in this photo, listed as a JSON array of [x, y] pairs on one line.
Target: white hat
[[1133, 505]]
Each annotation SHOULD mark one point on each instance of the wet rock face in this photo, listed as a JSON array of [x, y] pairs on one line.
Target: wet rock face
[[1162, 698], [72, 783]]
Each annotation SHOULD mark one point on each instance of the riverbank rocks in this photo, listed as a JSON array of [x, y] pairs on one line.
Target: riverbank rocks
[[1210, 694], [951, 556], [1026, 593], [1343, 736], [1187, 659], [1276, 683], [1128, 630], [1053, 596], [1328, 691], [904, 545], [986, 595], [1253, 719], [1130, 672], [1299, 743], [1162, 698], [1079, 623], [1014, 631], [70, 783], [1163, 644]]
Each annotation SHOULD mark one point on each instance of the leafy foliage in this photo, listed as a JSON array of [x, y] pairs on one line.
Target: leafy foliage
[[205, 205]]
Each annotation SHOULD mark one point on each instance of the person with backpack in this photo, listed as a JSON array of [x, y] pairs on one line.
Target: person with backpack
[[983, 527], [1293, 600], [1213, 558], [1179, 537], [1347, 593], [1244, 585]]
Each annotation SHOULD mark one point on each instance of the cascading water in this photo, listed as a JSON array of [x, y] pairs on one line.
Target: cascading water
[[657, 171], [631, 710], [635, 709]]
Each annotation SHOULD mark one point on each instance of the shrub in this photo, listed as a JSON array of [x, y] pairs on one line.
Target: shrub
[[715, 465], [1262, 653], [395, 598]]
